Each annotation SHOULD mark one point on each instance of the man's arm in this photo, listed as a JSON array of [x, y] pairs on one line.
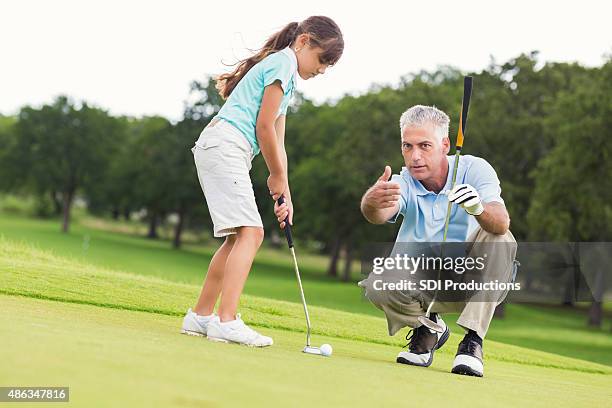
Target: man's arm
[[381, 201], [494, 218], [491, 216], [482, 198]]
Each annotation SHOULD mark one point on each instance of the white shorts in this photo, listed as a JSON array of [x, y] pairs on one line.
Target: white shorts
[[223, 160]]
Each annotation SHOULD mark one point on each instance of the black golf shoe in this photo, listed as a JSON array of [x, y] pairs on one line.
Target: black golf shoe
[[468, 360], [422, 342]]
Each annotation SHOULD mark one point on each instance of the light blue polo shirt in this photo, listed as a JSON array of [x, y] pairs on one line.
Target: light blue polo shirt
[[242, 106], [424, 211]]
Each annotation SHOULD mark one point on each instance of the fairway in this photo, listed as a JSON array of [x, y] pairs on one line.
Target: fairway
[[113, 338], [112, 357]]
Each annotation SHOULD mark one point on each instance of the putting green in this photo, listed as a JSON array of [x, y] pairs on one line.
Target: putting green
[[113, 338], [113, 357]]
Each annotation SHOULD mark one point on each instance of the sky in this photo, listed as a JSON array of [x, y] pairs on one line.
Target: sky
[[138, 57]]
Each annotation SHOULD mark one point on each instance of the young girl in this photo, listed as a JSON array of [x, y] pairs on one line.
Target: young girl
[[258, 93]]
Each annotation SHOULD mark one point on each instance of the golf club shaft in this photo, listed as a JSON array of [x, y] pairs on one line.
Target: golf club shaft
[[449, 207], [289, 237], [299, 280], [465, 106]]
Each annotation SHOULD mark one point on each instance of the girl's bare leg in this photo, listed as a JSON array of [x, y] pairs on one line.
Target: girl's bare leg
[[237, 268], [214, 278]]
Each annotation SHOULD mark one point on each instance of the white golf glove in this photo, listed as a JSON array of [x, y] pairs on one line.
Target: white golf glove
[[467, 198]]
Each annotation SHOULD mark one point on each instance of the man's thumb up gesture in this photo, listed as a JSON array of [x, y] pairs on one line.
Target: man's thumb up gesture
[[386, 174], [383, 194]]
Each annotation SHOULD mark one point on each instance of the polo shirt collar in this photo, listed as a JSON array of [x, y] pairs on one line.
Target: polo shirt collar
[[288, 51]]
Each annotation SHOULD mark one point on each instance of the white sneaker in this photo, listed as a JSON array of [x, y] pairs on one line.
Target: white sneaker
[[235, 331], [468, 360], [196, 325]]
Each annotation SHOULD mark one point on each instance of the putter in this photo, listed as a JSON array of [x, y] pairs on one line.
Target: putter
[[308, 349], [465, 106]]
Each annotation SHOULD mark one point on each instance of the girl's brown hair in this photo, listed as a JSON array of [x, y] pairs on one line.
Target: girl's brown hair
[[323, 32]]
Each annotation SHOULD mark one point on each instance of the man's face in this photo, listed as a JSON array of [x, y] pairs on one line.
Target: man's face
[[424, 153]]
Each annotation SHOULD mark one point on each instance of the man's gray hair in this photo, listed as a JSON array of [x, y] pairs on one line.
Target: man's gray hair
[[419, 116]]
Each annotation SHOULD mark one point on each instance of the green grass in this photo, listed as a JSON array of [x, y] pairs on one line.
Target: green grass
[[555, 330], [113, 338], [561, 331], [272, 275]]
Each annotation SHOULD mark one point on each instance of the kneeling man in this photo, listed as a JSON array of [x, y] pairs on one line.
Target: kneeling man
[[420, 193]]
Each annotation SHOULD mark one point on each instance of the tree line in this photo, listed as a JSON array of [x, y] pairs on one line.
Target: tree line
[[544, 126]]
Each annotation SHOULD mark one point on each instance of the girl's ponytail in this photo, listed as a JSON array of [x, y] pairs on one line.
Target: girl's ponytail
[[282, 39], [323, 33]]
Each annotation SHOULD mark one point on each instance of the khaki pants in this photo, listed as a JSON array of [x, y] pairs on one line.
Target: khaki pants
[[402, 308]]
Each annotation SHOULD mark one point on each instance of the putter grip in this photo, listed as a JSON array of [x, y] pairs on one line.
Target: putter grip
[[281, 200]]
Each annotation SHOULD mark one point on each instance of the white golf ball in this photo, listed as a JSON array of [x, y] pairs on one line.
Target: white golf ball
[[326, 350]]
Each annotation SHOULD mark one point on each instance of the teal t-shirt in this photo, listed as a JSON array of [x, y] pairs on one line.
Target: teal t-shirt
[[242, 106]]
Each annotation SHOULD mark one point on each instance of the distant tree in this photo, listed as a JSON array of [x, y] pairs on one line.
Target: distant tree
[[510, 104], [62, 147], [111, 192], [8, 164], [573, 193], [149, 167]]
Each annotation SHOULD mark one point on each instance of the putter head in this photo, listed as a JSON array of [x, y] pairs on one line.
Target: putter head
[[430, 324], [312, 350]]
